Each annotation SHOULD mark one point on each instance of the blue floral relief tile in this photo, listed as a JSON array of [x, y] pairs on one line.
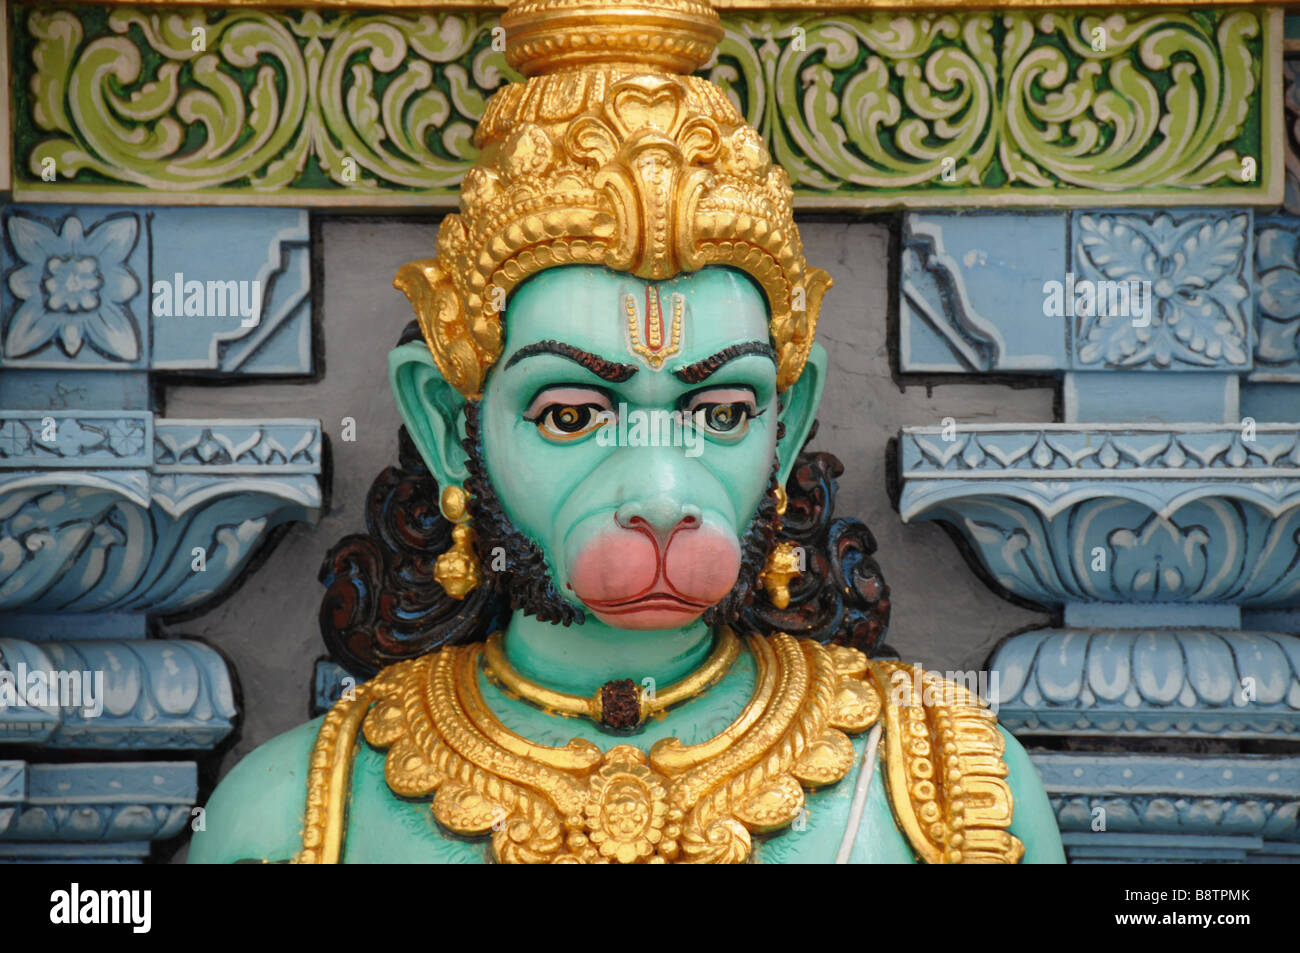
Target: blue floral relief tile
[[1162, 290], [1277, 299], [72, 280]]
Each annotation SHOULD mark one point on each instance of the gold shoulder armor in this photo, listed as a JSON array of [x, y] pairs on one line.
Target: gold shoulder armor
[[330, 773], [944, 769]]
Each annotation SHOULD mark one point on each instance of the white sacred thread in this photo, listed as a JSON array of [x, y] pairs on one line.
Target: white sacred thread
[[860, 796]]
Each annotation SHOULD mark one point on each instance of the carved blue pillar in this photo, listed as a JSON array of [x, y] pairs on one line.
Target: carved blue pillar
[[111, 513], [1158, 520]]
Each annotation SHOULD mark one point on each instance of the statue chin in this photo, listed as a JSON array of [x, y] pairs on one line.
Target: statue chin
[[635, 578]]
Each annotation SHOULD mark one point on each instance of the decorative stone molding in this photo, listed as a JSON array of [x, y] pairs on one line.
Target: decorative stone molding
[[113, 802], [107, 438], [1117, 291], [1154, 537], [13, 790], [936, 300], [234, 446], [864, 109], [1192, 683], [1196, 267], [141, 693], [1101, 452], [1277, 299], [111, 514], [1062, 513], [87, 438], [1138, 808], [161, 539]]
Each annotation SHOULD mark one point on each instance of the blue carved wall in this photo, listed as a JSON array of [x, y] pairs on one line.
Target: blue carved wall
[[114, 515], [1158, 521]]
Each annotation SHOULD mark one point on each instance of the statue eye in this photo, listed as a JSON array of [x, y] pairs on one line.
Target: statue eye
[[723, 418], [723, 412], [568, 413], [570, 420]]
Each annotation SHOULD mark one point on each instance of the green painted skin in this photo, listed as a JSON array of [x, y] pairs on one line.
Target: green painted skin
[[556, 492]]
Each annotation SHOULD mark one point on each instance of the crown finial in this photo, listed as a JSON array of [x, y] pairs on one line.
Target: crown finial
[[550, 36]]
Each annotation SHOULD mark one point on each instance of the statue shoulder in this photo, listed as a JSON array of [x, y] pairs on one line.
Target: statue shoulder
[[293, 798], [256, 812], [955, 779]]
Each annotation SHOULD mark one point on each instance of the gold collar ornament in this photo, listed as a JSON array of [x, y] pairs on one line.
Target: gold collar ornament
[[610, 153], [645, 703], [677, 803], [699, 803]]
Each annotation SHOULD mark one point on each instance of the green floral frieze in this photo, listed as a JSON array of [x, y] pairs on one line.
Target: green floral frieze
[[884, 109], [1009, 104], [240, 105]]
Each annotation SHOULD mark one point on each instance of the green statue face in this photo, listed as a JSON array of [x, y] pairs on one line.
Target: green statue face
[[628, 430]]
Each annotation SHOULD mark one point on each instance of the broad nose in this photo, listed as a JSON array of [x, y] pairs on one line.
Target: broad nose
[[661, 516]]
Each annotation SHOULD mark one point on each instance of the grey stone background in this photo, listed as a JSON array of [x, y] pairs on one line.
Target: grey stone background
[[943, 616]]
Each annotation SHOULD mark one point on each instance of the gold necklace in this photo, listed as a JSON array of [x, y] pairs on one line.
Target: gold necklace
[[575, 803], [598, 706], [945, 776]]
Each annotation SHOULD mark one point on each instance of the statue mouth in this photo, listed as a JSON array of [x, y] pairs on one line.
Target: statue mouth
[[636, 577], [657, 609], [657, 599]]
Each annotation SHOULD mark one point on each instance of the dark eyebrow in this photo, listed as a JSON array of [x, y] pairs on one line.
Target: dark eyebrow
[[703, 370], [610, 371]]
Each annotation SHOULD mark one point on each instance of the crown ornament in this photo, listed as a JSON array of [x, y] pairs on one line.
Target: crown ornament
[[610, 153]]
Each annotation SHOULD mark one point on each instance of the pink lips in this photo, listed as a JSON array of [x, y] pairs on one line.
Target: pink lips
[[655, 610], [631, 580]]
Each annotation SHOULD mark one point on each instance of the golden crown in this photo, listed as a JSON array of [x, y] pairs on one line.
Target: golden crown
[[610, 153]]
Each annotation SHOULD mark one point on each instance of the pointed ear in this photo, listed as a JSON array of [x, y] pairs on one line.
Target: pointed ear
[[433, 411], [800, 405]]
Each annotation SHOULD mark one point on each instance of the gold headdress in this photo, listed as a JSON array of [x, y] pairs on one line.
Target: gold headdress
[[610, 153]]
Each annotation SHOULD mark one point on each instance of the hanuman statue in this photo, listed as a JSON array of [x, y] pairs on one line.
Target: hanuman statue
[[615, 374]]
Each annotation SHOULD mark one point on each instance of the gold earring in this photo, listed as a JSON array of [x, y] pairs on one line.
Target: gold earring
[[457, 570], [782, 565]]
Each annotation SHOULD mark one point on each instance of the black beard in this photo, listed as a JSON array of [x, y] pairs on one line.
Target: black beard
[[525, 580]]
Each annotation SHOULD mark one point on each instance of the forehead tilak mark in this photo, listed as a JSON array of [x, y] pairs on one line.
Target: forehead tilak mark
[[650, 343]]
